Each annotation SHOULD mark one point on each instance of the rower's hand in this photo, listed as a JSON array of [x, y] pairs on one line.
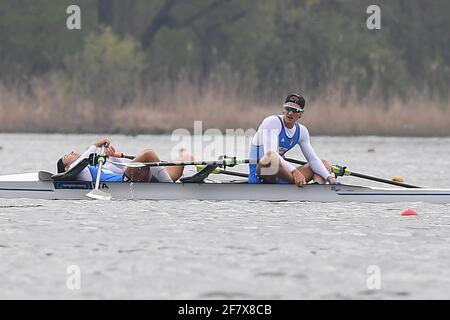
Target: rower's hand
[[331, 180], [101, 142], [110, 151], [299, 178]]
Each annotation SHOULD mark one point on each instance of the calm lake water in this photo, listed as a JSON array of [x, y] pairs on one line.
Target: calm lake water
[[233, 249]]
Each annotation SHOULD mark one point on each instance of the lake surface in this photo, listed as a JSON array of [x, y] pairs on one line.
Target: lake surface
[[233, 249]]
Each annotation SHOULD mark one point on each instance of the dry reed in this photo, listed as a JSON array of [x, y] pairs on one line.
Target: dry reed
[[50, 109]]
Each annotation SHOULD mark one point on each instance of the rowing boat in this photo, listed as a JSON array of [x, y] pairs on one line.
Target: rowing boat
[[36, 186]]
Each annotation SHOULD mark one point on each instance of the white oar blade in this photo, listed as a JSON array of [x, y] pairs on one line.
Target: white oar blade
[[99, 195]]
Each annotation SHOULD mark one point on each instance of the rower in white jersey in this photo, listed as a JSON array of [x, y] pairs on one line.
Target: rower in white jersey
[[278, 134], [114, 172]]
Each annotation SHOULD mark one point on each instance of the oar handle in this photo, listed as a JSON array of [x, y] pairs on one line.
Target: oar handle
[[121, 155]]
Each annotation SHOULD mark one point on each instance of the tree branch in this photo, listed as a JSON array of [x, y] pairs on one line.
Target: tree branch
[[161, 19], [198, 15]]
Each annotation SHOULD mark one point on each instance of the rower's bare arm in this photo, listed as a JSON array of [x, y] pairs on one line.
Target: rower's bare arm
[[84, 155], [102, 141], [109, 150]]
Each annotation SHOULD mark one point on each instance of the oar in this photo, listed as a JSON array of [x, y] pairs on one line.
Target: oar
[[226, 172], [227, 162], [233, 173], [216, 171], [342, 171], [96, 193]]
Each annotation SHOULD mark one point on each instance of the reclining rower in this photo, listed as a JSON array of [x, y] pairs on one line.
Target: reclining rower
[[117, 173]]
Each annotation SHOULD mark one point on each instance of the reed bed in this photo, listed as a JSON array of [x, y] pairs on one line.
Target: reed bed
[[49, 108]]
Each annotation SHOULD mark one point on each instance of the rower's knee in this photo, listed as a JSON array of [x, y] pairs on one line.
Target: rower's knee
[[151, 155], [269, 164], [271, 154], [269, 157]]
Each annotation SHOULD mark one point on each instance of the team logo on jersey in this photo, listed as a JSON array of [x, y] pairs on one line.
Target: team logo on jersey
[[282, 150]]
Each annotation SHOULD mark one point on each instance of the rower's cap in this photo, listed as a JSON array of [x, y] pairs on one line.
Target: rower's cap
[[60, 166], [296, 98]]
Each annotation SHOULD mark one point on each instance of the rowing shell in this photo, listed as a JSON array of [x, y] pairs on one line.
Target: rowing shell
[[30, 186]]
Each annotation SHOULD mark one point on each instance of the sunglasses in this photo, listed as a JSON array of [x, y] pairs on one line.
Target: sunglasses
[[292, 109]]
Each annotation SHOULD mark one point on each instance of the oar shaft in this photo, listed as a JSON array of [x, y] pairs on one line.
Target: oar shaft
[[233, 173], [229, 162], [100, 165], [296, 161], [218, 170], [363, 176], [181, 163], [400, 184]]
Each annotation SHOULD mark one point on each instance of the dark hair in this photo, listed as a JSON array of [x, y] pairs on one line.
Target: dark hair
[[60, 166], [296, 98]]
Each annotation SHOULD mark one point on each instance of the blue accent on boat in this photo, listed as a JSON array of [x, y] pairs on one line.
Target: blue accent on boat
[[27, 190], [83, 185]]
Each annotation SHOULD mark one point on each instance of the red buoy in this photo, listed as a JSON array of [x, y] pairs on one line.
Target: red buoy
[[409, 212]]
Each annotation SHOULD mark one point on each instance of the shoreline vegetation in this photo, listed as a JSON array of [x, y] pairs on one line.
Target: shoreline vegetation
[[144, 67], [49, 109]]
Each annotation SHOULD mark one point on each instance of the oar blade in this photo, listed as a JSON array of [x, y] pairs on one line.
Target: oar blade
[[99, 195]]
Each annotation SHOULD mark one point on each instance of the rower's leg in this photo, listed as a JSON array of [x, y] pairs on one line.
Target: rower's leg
[[309, 174], [142, 174], [269, 168], [176, 172]]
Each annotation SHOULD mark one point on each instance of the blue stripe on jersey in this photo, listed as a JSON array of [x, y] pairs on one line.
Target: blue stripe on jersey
[[106, 176]]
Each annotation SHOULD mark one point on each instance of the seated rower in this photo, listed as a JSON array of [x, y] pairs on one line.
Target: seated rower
[[276, 135], [117, 173]]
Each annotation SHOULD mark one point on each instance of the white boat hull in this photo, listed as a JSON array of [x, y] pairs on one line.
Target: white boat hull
[[29, 186]]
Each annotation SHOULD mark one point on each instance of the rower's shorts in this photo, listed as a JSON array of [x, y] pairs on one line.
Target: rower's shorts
[[253, 177], [126, 179]]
